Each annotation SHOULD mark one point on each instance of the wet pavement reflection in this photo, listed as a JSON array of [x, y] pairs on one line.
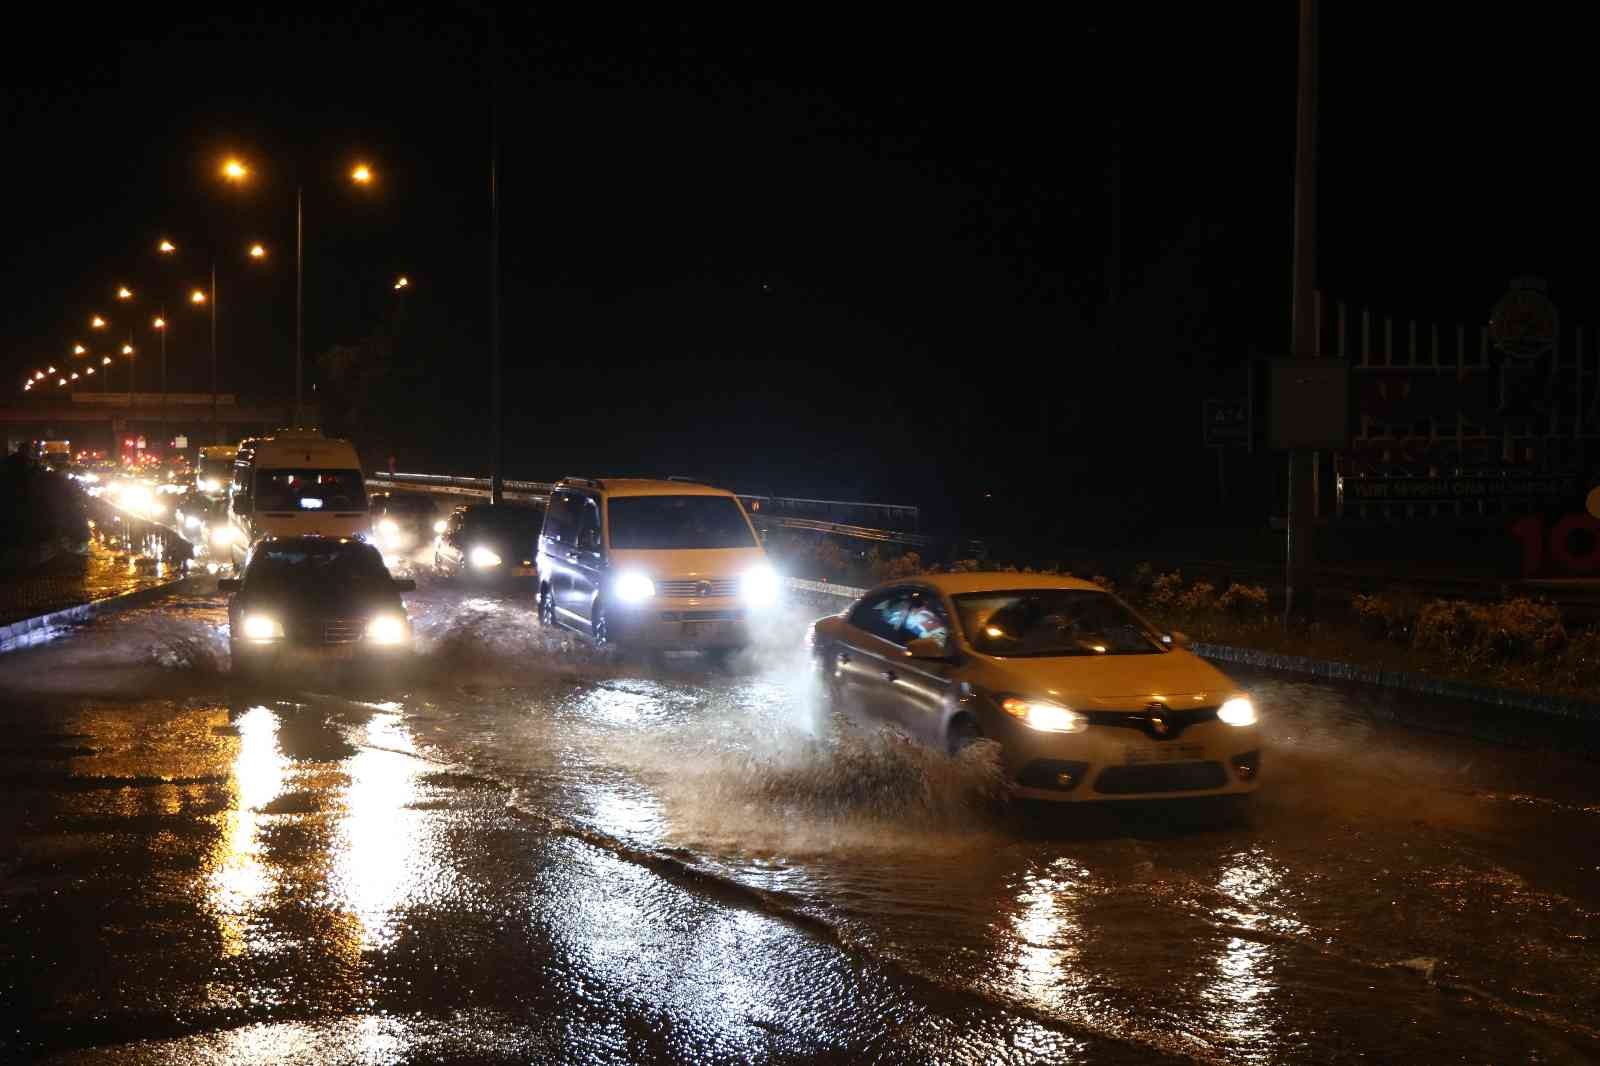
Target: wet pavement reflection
[[531, 851]]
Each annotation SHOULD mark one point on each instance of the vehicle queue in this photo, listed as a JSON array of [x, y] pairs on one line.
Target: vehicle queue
[[1084, 698]]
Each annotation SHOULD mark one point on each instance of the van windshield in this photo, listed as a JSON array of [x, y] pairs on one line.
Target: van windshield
[[310, 490], [678, 522]]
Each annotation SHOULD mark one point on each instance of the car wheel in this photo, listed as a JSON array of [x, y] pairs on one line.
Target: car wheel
[[599, 628], [547, 607], [964, 733]]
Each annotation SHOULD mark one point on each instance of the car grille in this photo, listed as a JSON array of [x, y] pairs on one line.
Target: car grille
[[1161, 777], [341, 631], [717, 587], [1177, 720], [701, 616]]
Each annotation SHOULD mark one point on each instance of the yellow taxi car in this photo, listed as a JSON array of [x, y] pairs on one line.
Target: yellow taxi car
[[1086, 699]]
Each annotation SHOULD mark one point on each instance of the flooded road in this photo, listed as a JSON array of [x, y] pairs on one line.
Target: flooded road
[[532, 852]]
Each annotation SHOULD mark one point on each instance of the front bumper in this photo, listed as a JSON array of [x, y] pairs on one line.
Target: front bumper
[[1108, 763], [681, 624], [291, 655]]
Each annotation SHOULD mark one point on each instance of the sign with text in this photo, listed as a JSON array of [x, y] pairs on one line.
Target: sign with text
[[1225, 423]]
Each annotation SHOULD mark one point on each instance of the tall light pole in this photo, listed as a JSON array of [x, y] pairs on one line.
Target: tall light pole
[[235, 171], [160, 326], [497, 408], [1298, 591]]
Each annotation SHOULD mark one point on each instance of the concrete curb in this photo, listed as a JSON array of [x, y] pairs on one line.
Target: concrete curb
[[40, 628], [1512, 699]]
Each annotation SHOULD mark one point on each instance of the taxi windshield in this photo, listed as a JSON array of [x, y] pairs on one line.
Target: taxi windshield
[[1053, 622]]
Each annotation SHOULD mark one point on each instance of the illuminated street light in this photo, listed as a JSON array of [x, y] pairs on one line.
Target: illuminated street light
[[362, 174], [97, 322], [105, 360], [78, 349], [63, 381], [127, 349], [74, 375], [257, 251], [166, 247], [197, 297], [38, 375], [401, 283], [159, 323], [50, 370], [124, 293], [234, 170], [90, 370]]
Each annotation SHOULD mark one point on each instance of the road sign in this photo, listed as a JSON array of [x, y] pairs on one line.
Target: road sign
[[1523, 324], [1309, 404], [1225, 423], [140, 444], [180, 441]]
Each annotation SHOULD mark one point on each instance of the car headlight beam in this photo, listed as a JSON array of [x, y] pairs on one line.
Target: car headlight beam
[[483, 558], [262, 627], [1238, 711], [759, 587], [387, 629], [633, 587], [1044, 716]]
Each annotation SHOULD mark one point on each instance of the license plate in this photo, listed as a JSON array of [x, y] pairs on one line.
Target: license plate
[[1162, 753], [701, 630], [340, 651], [524, 571]]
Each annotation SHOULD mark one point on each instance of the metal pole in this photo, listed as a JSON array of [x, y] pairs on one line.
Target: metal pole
[[216, 437], [299, 298], [1298, 592], [166, 424], [497, 415]]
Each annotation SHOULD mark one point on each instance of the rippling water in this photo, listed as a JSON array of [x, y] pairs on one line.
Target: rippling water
[[1398, 894]]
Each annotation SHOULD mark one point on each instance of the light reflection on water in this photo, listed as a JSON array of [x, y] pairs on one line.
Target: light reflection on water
[[239, 878], [376, 863]]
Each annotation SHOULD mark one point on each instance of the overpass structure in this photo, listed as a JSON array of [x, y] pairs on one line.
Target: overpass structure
[[106, 421]]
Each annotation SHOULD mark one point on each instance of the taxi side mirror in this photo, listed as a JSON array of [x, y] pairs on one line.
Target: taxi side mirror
[[927, 648], [228, 584], [404, 584]]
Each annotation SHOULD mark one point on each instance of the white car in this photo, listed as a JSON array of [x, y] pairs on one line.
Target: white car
[[1086, 699]]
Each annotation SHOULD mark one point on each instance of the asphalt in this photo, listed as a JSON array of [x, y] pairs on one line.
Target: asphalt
[[528, 852]]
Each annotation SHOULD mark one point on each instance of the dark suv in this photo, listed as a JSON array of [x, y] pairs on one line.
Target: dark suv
[[316, 598]]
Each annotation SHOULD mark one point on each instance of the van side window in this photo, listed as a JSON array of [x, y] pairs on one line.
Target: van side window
[[561, 520], [588, 535]]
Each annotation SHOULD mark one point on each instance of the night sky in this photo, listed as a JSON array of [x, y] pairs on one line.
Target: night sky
[[794, 250]]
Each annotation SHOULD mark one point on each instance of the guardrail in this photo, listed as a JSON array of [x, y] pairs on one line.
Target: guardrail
[[539, 492]]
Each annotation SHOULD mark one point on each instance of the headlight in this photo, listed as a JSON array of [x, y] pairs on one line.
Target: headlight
[[209, 484], [483, 557], [759, 587], [388, 527], [440, 526], [1238, 711], [387, 629], [222, 536], [633, 587], [261, 627], [1045, 717]]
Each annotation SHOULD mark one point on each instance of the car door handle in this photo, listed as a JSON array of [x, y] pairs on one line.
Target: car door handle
[[890, 675]]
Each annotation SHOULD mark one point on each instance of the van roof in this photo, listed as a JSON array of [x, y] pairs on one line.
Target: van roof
[[318, 449], [641, 486]]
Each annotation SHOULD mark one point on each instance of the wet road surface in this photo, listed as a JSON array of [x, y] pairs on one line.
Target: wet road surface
[[530, 852]]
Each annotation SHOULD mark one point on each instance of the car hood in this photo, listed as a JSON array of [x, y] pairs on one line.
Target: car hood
[[682, 563], [1110, 681]]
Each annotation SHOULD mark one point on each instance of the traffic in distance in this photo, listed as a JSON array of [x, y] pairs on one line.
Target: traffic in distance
[[1083, 697]]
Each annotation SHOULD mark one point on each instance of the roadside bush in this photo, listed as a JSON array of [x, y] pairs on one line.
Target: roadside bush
[[1198, 598], [1166, 590], [1244, 601], [902, 566], [1140, 581], [1577, 667], [966, 566], [1518, 630]]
